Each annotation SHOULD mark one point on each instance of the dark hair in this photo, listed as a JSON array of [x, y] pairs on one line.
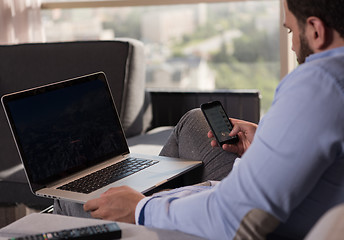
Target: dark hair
[[329, 11]]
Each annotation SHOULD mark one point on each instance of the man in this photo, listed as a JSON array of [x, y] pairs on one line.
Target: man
[[291, 170]]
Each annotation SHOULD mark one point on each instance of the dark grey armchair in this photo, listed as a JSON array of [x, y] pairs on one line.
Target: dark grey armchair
[[29, 65]]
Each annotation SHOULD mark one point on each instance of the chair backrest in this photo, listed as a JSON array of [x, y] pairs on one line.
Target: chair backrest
[[29, 65]]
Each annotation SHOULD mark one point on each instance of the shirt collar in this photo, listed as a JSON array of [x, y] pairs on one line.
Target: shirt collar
[[328, 53]]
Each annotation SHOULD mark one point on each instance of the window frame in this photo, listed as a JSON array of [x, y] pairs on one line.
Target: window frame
[[126, 3]]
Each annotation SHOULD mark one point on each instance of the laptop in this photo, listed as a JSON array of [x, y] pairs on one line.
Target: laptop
[[69, 131]]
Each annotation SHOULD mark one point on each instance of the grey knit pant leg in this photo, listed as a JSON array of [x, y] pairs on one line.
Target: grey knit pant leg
[[188, 140], [70, 209]]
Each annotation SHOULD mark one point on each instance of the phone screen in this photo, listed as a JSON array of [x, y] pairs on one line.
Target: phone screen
[[218, 122]]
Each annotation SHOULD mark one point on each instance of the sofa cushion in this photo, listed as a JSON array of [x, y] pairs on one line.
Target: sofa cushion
[[330, 226], [151, 142]]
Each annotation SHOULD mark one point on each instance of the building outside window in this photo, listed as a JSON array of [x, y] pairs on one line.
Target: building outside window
[[204, 46]]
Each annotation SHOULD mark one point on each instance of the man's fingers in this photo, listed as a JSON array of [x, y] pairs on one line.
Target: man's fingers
[[214, 143], [231, 148], [226, 147], [91, 205], [210, 134], [236, 129], [97, 214]]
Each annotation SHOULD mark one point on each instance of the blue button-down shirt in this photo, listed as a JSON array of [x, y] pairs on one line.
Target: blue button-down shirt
[[294, 169]]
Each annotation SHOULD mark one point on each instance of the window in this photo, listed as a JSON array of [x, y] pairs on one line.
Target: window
[[205, 46]]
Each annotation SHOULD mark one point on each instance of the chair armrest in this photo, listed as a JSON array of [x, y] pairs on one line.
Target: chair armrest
[[169, 106]]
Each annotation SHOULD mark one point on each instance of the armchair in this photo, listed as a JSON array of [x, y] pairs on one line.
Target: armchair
[[29, 65]]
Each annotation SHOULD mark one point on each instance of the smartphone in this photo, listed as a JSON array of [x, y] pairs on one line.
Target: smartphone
[[219, 122]]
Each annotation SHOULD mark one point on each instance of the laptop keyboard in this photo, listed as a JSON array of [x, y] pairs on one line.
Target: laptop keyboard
[[103, 177]]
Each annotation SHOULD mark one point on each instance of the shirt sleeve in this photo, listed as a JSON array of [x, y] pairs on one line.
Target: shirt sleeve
[[282, 166], [139, 211], [176, 193]]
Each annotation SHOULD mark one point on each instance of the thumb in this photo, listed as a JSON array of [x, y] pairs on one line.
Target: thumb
[[236, 129]]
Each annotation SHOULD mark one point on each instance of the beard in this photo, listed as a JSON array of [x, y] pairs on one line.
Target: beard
[[305, 50]]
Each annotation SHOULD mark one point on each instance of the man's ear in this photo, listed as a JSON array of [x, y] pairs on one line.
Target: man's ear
[[317, 34]]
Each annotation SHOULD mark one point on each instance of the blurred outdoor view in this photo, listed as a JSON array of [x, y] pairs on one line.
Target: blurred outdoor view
[[189, 47]]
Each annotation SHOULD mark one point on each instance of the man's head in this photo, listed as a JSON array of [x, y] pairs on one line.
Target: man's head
[[317, 25]]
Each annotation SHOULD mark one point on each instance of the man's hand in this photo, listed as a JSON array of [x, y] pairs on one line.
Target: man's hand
[[116, 204], [245, 131]]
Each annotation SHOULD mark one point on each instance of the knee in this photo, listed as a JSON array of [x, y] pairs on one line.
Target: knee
[[192, 119], [195, 114]]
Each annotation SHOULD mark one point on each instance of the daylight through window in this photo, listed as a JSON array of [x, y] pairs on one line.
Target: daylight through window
[[203, 46]]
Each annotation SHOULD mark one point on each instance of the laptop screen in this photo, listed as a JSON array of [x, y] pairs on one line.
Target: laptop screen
[[65, 127]]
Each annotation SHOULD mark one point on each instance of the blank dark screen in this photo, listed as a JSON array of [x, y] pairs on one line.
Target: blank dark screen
[[67, 129]]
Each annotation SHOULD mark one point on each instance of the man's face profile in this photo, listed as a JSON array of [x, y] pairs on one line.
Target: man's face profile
[[304, 50], [301, 45]]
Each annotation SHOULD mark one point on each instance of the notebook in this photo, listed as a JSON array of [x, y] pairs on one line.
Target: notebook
[[67, 130]]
